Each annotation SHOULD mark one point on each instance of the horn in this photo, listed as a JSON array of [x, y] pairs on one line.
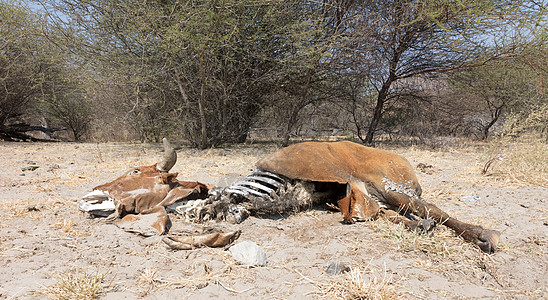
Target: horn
[[169, 159]]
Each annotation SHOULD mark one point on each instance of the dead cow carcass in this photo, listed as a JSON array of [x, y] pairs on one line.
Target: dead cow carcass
[[137, 201], [365, 183]]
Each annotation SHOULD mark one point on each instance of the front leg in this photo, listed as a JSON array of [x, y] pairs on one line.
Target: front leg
[[421, 226], [486, 239]]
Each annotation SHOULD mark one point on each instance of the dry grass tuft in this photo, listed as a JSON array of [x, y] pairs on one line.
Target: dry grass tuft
[[20, 208], [149, 279], [67, 226], [202, 274], [78, 284], [516, 162], [441, 242], [442, 251], [358, 283]]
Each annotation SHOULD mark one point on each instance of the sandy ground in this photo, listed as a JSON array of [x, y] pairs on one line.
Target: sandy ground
[[45, 241]]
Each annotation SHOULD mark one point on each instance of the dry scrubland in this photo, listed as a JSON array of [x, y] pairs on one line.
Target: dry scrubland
[[48, 248]]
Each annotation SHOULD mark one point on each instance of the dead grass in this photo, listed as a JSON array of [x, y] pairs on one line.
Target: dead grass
[[441, 242], [67, 226], [358, 283], [201, 274], [520, 162], [148, 279], [443, 251], [78, 284], [21, 208]]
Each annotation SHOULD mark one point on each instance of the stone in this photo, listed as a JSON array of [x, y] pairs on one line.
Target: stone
[[248, 253], [336, 267]]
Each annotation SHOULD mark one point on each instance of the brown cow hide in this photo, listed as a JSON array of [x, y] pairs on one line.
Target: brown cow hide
[[193, 241], [153, 219], [345, 163], [149, 224]]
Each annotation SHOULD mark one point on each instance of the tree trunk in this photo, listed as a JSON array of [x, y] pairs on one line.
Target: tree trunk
[[290, 123], [204, 141], [494, 118], [293, 118], [201, 104], [377, 113]]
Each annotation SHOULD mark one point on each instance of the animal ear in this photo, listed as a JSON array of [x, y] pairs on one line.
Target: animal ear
[[165, 178]]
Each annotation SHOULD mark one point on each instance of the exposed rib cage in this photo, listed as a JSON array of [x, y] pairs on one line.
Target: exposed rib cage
[[260, 192], [259, 183]]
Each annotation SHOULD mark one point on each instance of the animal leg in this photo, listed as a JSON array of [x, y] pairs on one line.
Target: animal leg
[[486, 239], [422, 226]]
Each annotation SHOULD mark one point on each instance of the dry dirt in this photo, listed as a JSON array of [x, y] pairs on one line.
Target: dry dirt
[[45, 242]]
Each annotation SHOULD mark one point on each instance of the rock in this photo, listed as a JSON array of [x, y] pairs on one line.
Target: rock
[[248, 253], [473, 199], [30, 168], [209, 164], [336, 267]]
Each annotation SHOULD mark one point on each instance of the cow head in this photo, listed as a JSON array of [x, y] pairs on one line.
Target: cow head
[[143, 190]]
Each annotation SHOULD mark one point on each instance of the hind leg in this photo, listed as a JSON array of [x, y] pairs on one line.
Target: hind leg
[[486, 239]]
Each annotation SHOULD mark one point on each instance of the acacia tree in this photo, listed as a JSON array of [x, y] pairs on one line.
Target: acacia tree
[[32, 70], [67, 105], [496, 88], [19, 65], [395, 40], [202, 68]]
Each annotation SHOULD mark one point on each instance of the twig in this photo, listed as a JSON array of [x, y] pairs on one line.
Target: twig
[[232, 290], [493, 269], [304, 277]]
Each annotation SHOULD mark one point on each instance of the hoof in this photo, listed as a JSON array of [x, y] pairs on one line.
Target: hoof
[[488, 240], [425, 226]]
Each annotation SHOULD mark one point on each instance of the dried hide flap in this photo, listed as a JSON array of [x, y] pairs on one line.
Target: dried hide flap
[[149, 224], [189, 242]]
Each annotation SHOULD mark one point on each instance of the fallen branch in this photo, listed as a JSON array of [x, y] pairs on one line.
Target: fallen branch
[[18, 132]]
